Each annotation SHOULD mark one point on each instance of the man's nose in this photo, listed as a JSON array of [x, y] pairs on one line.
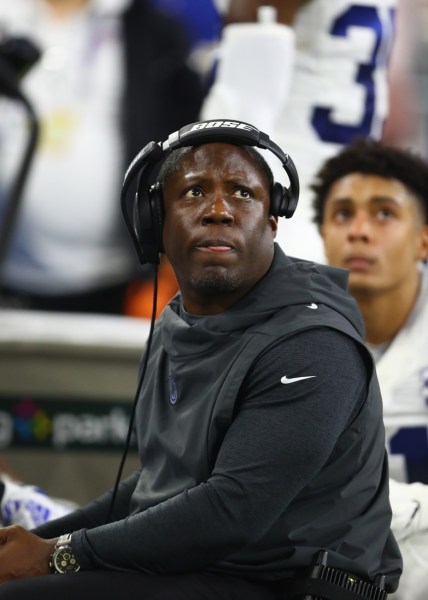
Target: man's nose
[[360, 228], [217, 211]]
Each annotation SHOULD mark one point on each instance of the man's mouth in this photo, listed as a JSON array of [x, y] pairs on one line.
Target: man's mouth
[[359, 263], [217, 246]]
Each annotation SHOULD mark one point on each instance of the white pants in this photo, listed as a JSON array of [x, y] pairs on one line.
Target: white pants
[[414, 580]]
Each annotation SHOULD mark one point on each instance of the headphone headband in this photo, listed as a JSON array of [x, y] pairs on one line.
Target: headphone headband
[[234, 132], [142, 228]]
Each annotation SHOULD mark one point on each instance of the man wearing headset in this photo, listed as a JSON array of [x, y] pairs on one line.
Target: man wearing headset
[[259, 419]]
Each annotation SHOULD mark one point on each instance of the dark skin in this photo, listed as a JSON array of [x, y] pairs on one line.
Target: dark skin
[[23, 554], [218, 234], [246, 10]]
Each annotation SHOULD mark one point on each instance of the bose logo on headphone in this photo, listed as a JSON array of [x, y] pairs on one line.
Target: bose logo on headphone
[[144, 213], [232, 124]]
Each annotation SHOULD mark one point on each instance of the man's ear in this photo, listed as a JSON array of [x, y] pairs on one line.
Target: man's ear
[[274, 225], [422, 249]]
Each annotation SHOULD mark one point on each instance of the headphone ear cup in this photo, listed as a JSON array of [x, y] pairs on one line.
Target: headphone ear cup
[[148, 218], [277, 200], [282, 202]]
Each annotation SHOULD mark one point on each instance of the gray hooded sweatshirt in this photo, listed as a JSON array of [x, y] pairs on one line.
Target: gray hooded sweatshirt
[[261, 441]]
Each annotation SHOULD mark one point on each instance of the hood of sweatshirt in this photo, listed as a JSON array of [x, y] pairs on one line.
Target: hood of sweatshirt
[[289, 282]]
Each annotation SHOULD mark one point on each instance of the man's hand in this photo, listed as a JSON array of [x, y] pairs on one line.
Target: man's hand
[[23, 554]]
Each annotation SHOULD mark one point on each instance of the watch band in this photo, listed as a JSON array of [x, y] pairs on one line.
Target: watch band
[[63, 539]]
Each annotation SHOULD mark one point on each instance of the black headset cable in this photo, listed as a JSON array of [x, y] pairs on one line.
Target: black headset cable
[[137, 394]]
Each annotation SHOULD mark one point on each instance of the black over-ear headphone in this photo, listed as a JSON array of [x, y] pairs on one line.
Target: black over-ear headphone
[[144, 213]]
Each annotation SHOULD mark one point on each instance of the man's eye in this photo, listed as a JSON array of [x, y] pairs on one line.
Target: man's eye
[[384, 214], [342, 215], [193, 193], [243, 193]]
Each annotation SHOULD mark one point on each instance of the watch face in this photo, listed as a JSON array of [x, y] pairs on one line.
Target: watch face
[[64, 560]]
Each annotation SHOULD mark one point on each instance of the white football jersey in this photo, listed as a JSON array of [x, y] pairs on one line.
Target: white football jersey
[[339, 91], [403, 377]]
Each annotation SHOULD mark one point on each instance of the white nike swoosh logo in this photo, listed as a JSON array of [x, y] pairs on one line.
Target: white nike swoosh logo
[[313, 306], [285, 379]]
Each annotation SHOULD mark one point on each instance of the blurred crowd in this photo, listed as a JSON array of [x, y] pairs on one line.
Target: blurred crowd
[[108, 76], [115, 74]]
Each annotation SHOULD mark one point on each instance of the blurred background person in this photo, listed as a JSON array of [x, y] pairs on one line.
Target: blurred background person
[[314, 79], [371, 205], [113, 75], [202, 20]]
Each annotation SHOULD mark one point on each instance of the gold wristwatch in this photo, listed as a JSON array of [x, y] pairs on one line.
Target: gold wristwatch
[[63, 559]]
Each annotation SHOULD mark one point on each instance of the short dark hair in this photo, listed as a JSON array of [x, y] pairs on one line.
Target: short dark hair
[[173, 160], [371, 157]]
